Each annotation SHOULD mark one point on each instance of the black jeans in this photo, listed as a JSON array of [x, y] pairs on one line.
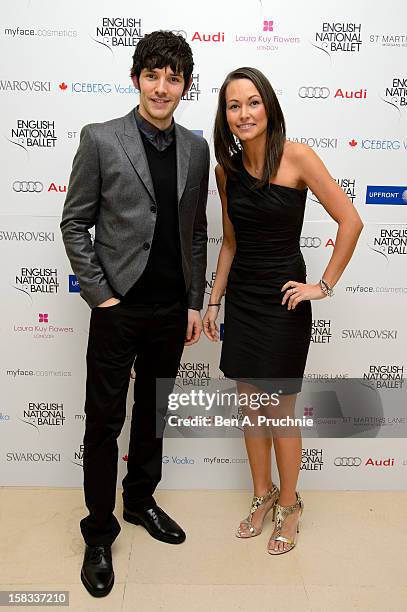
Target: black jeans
[[152, 335]]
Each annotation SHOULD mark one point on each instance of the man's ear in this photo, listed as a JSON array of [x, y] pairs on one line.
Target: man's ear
[[187, 87], [135, 82]]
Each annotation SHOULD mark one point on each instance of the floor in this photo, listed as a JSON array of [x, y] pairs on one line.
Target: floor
[[351, 554]]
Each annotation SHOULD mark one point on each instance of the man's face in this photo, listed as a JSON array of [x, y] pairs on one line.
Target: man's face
[[160, 92]]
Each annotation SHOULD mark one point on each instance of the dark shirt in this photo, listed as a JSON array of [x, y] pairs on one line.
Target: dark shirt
[[162, 280], [161, 139]]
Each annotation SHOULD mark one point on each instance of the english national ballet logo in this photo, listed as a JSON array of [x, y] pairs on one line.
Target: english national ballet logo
[[116, 32], [389, 242], [312, 459], [193, 373], [347, 184], [43, 414], [321, 331], [194, 91], [33, 133], [385, 375], [36, 280], [338, 37], [78, 456], [210, 279], [395, 94]]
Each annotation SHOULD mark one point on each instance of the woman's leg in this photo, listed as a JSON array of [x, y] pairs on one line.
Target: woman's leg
[[258, 442], [287, 448]]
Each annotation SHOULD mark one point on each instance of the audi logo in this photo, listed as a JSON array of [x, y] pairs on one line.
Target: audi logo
[[28, 186], [313, 92], [306, 241], [348, 461], [179, 33]]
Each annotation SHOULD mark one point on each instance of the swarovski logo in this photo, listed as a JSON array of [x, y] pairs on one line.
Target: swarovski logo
[[348, 461], [28, 186], [314, 92], [306, 241]]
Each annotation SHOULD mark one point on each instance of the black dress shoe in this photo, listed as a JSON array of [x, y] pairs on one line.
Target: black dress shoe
[[158, 524], [97, 570]]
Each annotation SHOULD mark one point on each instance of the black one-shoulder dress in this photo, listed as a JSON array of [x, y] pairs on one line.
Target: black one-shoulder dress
[[264, 343]]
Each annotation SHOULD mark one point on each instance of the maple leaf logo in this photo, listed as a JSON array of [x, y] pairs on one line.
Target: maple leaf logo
[[63, 86], [353, 142], [125, 458]]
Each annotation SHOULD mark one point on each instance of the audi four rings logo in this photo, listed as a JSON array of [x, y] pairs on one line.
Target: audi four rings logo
[[313, 92], [314, 242], [180, 33], [28, 186], [348, 461]]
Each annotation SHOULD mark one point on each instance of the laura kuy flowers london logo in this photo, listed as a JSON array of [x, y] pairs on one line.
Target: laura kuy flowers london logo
[[268, 40]]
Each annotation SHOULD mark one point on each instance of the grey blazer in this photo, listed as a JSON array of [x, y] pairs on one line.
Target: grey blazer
[[111, 189]]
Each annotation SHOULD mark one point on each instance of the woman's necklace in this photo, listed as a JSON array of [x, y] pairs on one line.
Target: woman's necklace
[[254, 170]]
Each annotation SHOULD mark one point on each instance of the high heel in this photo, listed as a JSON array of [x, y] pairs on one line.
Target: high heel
[[281, 513], [249, 529]]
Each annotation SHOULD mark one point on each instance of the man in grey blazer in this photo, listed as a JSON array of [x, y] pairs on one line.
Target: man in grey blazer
[[142, 182]]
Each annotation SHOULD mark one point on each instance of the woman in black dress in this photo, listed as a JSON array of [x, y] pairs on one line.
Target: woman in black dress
[[262, 180]]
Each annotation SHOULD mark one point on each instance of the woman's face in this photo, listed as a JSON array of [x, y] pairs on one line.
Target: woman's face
[[245, 111]]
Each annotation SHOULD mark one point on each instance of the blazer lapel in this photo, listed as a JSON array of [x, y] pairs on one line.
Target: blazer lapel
[[183, 147], [133, 146]]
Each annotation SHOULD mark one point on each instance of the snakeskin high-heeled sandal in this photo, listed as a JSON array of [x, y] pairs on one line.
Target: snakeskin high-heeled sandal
[[249, 529], [281, 514]]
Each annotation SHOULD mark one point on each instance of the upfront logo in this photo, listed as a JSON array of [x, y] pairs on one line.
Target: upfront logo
[[380, 194]]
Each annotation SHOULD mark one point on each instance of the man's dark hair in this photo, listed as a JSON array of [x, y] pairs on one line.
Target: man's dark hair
[[160, 49]]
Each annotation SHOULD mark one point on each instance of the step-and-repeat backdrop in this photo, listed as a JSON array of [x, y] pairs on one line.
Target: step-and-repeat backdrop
[[339, 70]]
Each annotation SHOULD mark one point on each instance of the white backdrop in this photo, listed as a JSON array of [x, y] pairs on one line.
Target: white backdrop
[[339, 70]]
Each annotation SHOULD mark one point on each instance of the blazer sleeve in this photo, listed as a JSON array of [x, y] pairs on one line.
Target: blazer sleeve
[[199, 241], [79, 214]]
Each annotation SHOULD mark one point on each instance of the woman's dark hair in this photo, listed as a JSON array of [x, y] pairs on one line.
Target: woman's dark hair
[[226, 145], [160, 49]]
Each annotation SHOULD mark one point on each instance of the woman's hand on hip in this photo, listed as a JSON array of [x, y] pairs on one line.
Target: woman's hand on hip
[[298, 292]]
